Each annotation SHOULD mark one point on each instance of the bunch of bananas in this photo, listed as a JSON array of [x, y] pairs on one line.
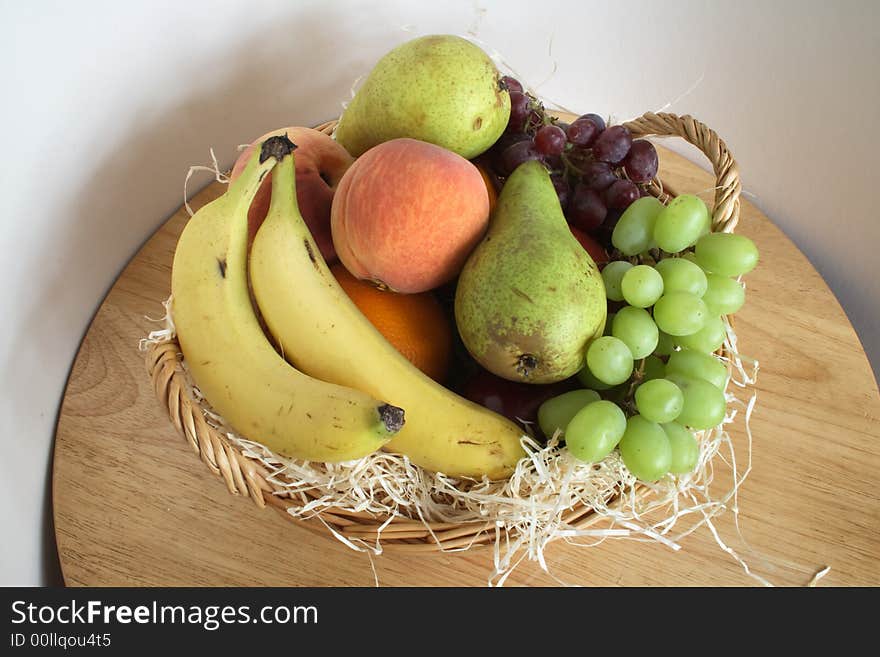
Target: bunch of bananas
[[340, 391]]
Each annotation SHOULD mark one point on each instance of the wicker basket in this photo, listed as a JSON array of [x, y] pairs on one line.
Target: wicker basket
[[244, 475]]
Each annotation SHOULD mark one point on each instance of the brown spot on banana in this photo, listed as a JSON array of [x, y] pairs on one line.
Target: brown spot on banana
[[311, 252]]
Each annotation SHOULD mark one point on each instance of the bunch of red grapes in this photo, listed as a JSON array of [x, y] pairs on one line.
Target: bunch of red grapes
[[597, 170]]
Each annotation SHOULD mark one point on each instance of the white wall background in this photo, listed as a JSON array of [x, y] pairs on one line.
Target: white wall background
[[105, 105]]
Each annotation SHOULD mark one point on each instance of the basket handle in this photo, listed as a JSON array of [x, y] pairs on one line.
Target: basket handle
[[725, 213]]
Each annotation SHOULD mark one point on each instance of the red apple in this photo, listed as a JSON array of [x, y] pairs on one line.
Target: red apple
[[592, 246], [320, 165]]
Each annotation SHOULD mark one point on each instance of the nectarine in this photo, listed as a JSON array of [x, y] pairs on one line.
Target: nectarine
[[320, 164], [407, 214]]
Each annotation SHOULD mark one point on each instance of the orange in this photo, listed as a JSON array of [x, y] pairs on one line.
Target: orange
[[415, 324], [490, 186]]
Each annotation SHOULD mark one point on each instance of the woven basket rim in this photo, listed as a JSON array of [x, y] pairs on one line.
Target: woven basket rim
[[247, 476]]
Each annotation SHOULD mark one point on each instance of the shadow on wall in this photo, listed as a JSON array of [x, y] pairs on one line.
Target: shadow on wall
[[248, 92]]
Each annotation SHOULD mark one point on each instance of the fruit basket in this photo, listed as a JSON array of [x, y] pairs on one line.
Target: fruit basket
[[439, 520], [400, 499]]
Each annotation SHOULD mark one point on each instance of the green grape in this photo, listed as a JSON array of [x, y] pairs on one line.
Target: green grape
[[645, 449], [595, 430], [556, 412], [681, 275], [609, 323], [634, 232], [680, 313], [723, 296], [636, 329], [589, 381], [659, 400], [698, 365], [726, 254], [685, 450], [708, 339], [680, 224], [654, 368], [704, 404], [690, 256], [665, 344], [612, 273], [609, 360], [641, 286]]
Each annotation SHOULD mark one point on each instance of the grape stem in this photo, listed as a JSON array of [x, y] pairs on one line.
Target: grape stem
[[569, 165], [628, 401]]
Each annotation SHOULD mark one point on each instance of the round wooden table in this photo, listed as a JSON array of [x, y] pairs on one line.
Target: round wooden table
[[134, 506]]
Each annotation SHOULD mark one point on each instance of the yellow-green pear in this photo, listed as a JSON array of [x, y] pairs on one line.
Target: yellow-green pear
[[441, 89], [529, 298]]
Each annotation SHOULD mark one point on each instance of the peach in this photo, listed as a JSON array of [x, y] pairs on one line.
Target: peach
[[407, 214], [320, 164]]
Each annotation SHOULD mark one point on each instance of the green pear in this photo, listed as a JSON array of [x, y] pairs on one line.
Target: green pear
[[529, 297], [440, 89]]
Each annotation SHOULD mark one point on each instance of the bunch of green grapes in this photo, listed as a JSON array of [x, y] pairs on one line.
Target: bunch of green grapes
[[656, 367]]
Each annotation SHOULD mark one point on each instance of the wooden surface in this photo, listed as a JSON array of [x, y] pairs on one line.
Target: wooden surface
[[134, 506]]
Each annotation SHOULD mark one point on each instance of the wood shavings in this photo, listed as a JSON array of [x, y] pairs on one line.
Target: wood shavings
[[219, 176], [533, 507]]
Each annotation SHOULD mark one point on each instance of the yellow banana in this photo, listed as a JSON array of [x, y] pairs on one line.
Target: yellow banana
[[323, 333], [232, 361]]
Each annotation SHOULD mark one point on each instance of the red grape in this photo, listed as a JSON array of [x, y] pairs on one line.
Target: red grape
[[607, 228], [598, 176], [513, 156], [504, 142], [554, 162], [621, 194], [509, 139], [512, 84], [612, 145], [519, 111], [586, 209], [512, 399], [582, 133], [595, 118], [550, 140], [563, 190], [641, 163]]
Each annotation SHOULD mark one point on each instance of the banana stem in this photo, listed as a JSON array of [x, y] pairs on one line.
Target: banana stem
[[278, 146], [283, 200], [392, 418], [243, 189]]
